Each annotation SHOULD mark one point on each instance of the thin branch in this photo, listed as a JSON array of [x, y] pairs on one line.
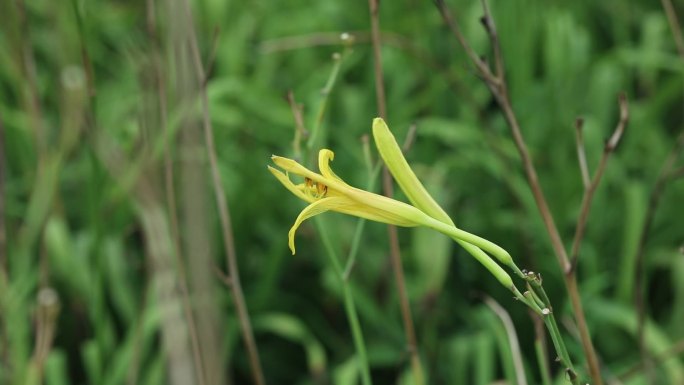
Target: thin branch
[[4, 272], [498, 87], [377, 59], [395, 252], [169, 187], [32, 95], [4, 266], [212, 57], [674, 26], [589, 191], [300, 130], [480, 64], [224, 215], [512, 339], [653, 202], [390, 39], [488, 22], [581, 153], [410, 138]]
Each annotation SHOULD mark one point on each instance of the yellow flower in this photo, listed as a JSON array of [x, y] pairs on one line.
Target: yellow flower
[[326, 191]]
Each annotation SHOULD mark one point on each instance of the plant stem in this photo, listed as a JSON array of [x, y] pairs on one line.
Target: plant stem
[[349, 305], [224, 213], [395, 253], [496, 82], [337, 62], [540, 349], [552, 327]]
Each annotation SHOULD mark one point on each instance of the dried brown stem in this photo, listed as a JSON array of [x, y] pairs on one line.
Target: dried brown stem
[[480, 64], [4, 272], [3, 233], [300, 130], [395, 252], [674, 26], [224, 216], [169, 189], [589, 191], [32, 95], [499, 88], [653, 202], [377, 59], [581, 153]]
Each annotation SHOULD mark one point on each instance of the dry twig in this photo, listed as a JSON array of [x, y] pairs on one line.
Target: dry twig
[[653, 202], [224, 216], [674, 26], [496, 82], [169, 187], [395, 253], [581, 154], [589, 190]]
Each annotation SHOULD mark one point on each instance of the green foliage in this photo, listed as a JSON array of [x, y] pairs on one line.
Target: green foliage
[[85, 215]]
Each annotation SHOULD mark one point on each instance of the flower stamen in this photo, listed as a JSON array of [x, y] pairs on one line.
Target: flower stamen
[[315, 189]]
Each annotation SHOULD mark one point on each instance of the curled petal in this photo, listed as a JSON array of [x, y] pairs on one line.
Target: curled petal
[[317, 207], [326, 156], [345, 205]]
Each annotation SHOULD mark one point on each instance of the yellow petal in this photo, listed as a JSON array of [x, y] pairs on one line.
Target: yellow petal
[[291, 166], [289, 185], [318, 207], [345, 205], [352, 207], [401, 171], [326, 156]]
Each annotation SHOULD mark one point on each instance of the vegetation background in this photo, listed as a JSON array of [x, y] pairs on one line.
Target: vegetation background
[[113, 246]]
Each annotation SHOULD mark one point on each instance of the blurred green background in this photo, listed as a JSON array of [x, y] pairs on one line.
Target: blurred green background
[[111, 247]]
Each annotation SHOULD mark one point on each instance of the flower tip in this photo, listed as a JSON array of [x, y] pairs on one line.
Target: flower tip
[[380, 128]]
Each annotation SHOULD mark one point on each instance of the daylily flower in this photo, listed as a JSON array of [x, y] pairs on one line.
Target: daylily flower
[[326, 191]]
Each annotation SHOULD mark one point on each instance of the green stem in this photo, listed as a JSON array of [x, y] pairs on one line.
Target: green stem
[[461, 236], [537, 299], [349, 305], [543, 364], [337, 58], [534, 283], [558, 343], [356, 240]]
